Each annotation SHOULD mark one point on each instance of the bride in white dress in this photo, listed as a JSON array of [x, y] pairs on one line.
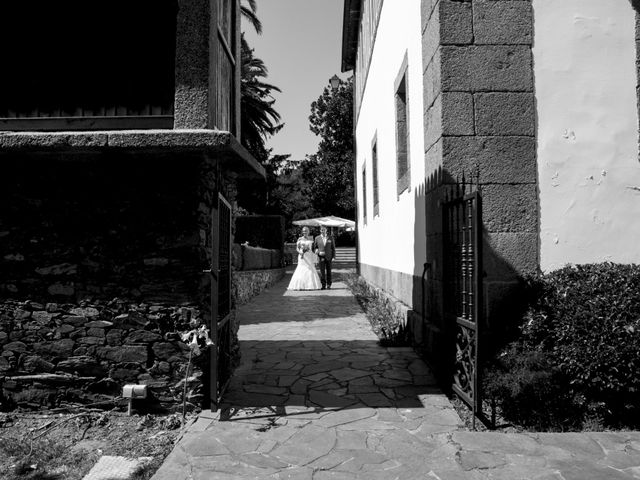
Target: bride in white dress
[[305, 277]]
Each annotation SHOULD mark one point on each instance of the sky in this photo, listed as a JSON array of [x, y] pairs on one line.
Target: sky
[[301, 45]]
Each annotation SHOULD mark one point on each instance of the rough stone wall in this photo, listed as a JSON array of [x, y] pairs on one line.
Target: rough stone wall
[[101, 263], [192, 64], [101, 227], [480, 121], [249, 284], [83, 353]]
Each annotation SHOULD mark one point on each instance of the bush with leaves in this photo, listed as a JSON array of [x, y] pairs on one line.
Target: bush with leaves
[[386, 322], [583, 323]]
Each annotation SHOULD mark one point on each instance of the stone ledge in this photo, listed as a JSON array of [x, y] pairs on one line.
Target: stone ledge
[[222, 143]]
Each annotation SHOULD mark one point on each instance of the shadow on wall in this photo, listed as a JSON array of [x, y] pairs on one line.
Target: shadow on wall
[[431, 321]]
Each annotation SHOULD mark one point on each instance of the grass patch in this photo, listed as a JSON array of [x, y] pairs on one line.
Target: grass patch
[[66, 446]]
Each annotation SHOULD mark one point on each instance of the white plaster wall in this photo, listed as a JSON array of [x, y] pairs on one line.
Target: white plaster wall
[[389, 240], [585, 80]]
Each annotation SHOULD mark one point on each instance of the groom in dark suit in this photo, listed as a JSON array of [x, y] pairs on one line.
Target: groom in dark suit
[[324, 246]]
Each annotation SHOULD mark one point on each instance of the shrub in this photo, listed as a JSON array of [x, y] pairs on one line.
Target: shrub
[[386, 322], [531, 391], [579, 343]]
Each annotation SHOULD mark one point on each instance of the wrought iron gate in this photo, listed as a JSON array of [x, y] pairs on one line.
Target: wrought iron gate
[[221, 301], [463, 299]]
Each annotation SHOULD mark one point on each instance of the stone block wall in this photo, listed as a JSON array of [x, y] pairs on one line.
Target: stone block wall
[[101, 266], [480, 121]]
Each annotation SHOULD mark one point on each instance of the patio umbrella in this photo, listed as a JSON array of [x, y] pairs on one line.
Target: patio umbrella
[[309, 222], [329, 221]]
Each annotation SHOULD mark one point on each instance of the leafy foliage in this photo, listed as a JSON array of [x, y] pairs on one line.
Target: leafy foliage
[[385, 320], [248, 9], [258, 117], [584, 322], [285, 193], [532, 391], [329, 172]]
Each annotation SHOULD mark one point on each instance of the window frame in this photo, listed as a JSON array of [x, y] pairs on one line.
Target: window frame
[[364, 193], [375, 176], [68, 110], [402, 129]]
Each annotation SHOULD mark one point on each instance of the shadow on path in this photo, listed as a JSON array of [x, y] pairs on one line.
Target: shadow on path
[[315, 350], [317, 398]]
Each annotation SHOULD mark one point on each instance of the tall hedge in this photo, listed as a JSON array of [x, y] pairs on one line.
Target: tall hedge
[[266, 231], [579, 346]]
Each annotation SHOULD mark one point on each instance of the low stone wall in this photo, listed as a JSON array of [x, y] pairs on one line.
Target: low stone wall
[[248, 284], [400, 309], [255, 258], [86, 352]]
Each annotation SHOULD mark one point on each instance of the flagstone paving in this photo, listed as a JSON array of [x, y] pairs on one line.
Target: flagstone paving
[[316, 397]]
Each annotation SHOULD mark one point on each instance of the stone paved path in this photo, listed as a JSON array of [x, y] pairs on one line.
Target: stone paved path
[[317, 398]]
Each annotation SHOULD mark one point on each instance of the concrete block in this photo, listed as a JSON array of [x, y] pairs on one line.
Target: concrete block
[[433, 158], [427, 8], [435, 240], [502, 303], [457, 113], [433, 123], [509, 255], [116, 468], [432, 80], [510, 208], [505, 114], [487, 68], [431, 38], [495, 159], [456, 23], [435, 299], [52, 140], [191, 108], [502, 22]]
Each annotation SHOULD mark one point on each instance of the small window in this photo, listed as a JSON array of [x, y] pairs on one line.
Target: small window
[[402, 130], [364, 194], [83, 65], [374, 161]]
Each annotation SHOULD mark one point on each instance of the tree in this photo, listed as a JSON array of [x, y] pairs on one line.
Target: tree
[[258, 118], [248, 9], [329, 172]]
